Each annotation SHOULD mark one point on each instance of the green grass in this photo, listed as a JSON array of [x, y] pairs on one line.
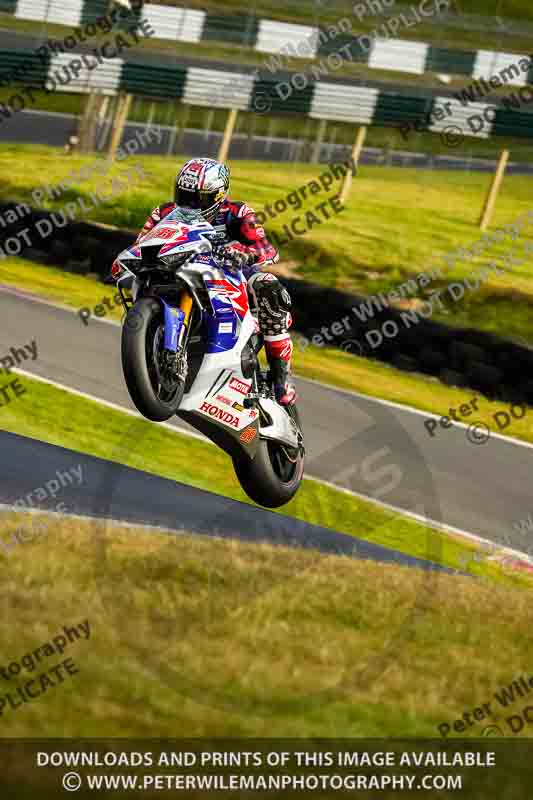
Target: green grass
[[58, 417], [397, 223], [199, 637], [194, 637], [512, 9]]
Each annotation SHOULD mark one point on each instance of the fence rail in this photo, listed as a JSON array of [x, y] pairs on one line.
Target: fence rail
[[182, 24], [328, 100]]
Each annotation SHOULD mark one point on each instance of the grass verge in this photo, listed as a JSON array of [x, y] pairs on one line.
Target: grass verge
[[208, 638], [397, 223], [56, 416]]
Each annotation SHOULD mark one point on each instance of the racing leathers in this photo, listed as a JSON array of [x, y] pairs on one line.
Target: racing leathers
[[248, 249]]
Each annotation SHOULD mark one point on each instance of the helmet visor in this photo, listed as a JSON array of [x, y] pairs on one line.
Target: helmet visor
[[199, 200]]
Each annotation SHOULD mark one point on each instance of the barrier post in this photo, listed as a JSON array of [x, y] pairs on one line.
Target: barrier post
[[119, 122], [182, 118], [88, 122], [492, 195], [317, 147], [356, 154], [228, 133]]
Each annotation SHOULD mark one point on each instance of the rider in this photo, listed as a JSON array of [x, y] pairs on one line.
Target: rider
[[203, 184]]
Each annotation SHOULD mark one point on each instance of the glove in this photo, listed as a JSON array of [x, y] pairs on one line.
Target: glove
[[238, 255]]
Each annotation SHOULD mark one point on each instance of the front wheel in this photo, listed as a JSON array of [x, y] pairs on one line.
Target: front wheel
[[153, 386], [273, 476]]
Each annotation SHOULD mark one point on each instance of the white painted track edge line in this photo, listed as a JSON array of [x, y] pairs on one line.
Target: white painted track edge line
[[440, 526], [410, 409], [338, 389], [109, 404]]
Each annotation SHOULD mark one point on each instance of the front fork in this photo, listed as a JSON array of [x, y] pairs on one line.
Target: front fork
[[177, 321], [177, 325], [186, 305]]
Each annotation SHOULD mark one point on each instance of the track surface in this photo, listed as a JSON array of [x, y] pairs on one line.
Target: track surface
[[380, 451], [112, 491], [40, 127]]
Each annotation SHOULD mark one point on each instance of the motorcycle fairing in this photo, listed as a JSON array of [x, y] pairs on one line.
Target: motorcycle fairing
[[213, 405], [229, 301], [181, 231]]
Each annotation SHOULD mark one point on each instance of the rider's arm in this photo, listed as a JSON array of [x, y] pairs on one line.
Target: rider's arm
[[253, 237]]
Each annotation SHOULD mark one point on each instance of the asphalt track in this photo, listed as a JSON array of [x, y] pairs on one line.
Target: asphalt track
[[54, 129], [111, 491], [372, 448]]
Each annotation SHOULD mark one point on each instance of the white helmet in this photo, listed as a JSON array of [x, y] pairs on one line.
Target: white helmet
[[202, 184]]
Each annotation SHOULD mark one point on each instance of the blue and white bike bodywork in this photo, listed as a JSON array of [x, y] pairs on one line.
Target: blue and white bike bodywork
[[189, 347]]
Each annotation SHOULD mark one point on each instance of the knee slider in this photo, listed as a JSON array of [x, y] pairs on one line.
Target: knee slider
[[268, 289]]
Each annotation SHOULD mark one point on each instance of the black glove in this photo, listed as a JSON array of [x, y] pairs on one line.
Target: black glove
[[238, 255]]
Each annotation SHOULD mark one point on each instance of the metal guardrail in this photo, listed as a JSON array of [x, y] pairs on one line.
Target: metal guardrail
[[179, 23], [329, 100], [60, 12]]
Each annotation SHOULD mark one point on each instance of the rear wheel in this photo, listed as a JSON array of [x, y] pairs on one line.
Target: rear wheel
[[149, 370], [274, 475]]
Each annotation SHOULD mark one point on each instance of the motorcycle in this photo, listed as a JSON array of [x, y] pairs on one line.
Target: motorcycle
[[190, 346]]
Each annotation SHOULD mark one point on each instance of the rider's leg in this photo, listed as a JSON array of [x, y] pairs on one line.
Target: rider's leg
[[273, 302]]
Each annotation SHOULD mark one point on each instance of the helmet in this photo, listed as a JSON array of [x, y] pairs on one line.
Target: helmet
[[203, 184]]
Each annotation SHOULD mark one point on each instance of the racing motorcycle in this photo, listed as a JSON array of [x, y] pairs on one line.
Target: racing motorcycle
[[190, 346]]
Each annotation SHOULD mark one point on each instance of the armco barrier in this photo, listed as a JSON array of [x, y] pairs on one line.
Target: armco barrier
[[489, 364], [273, 37], [329, 99]]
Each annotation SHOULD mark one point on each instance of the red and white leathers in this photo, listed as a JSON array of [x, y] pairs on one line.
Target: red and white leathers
[[251, 251]]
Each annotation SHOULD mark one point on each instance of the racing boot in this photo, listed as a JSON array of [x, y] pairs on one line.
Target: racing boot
[[280, 371]]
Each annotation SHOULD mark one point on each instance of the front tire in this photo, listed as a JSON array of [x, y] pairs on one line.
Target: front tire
[[273, 476], [157, 398]]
